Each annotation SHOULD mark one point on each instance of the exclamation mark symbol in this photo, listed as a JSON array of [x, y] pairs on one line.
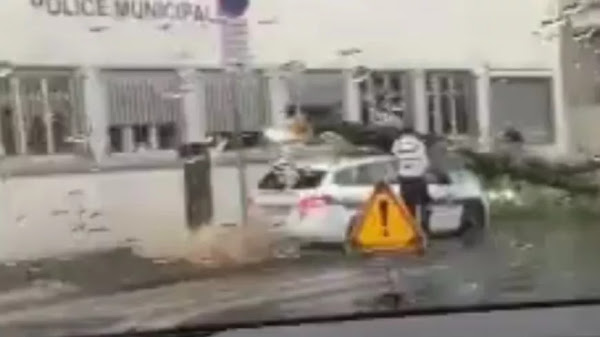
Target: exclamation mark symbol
[[383, 210]]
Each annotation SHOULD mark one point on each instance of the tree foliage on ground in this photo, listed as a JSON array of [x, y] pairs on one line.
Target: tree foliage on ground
[[576, 178], [573, 178]]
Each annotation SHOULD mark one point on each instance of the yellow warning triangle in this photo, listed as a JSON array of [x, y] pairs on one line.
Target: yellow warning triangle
[[386, 225]]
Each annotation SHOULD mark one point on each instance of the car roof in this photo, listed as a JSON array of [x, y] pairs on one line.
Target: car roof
[[334, 164]]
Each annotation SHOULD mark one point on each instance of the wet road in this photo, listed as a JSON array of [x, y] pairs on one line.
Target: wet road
[[521, 261]]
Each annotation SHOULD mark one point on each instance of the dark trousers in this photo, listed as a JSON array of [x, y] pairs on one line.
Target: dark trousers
[[415, 195]]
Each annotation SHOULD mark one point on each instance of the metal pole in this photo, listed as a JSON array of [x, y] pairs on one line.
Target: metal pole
[[298, 94], [238, 141]]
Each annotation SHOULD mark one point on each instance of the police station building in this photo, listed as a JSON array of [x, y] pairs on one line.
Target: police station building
[[131, 72]]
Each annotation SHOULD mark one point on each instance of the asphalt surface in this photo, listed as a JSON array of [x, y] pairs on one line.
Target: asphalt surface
[[519, 261]]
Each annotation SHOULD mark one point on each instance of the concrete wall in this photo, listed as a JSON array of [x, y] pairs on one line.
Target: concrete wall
[[68, 39], [392, 33], [581, 80], [489, 38], [405, 33], [486, 37], [580, 65], [39, 214], [584, 122], [142, 208]]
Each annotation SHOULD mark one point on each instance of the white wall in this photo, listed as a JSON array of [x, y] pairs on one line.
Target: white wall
[[581, 76], [405, 33], [32, 36], [37, 214], [584, 123], [468, 34], [392, 33]]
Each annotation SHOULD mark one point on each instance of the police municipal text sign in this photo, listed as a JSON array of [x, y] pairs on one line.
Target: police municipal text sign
[[181, 10]]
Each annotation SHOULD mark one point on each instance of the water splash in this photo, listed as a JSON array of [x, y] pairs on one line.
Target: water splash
[[218, 246]]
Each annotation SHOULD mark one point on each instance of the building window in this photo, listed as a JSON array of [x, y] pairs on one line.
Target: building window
[[450, 102], [8, 126], [40, 112], [523, 103], [319, 94], [145, 110], [167, 136], [141, 136], [385, 98], [115, 136], [162, 136], [251, 95]]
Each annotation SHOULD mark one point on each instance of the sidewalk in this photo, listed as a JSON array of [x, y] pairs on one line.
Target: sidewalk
[[95, 272], [47, 281]]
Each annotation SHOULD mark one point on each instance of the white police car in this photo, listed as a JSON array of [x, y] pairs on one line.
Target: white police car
[[324, 196]]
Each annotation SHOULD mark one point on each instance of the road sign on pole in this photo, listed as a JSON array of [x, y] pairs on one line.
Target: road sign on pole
[[234, 33], [233, 8], [235, 57], [234, 42], [238, 141]]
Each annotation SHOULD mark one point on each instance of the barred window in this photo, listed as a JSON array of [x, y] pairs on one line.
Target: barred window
[[524, 103], [385, 91], [145, 110], [450, 102], [40, 112], [319, 94], [252, 96]]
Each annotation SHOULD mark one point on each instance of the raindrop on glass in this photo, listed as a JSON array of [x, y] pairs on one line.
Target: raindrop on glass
[[270, 21], [21, 220]]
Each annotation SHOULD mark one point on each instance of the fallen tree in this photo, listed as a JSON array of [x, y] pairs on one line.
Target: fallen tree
[[575, 178]]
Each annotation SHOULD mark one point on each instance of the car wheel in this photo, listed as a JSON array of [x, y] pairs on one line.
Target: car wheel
[[472, 230]]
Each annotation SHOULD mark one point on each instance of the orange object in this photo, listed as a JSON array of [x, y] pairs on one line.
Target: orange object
[[386, 225]]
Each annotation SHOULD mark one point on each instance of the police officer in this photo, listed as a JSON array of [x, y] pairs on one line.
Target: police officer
[[413, 174]]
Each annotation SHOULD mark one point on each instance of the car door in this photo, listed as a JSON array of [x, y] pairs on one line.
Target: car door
[[353, 185]]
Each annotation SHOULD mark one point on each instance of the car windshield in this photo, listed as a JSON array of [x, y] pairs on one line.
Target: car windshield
[[168, 163]]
